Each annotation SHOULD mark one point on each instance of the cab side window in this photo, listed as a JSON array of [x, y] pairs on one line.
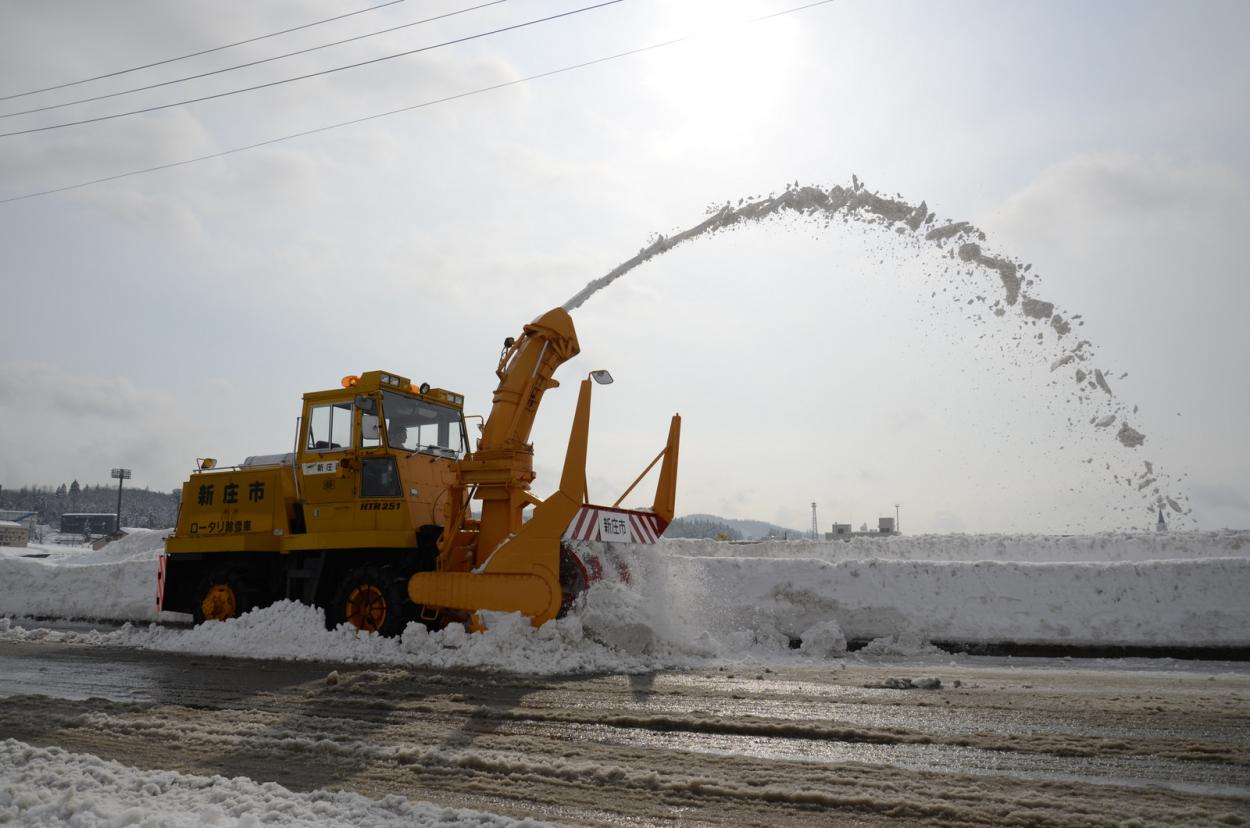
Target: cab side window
[[330, 427], [370, 431]]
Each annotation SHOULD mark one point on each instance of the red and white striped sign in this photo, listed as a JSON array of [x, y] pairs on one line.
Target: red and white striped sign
[[163, 561], [601, 523]]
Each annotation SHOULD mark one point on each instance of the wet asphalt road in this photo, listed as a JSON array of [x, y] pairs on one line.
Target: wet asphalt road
[[1018, 741]]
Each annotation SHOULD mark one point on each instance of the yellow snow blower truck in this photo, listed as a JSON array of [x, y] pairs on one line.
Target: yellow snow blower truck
[[371, 517]]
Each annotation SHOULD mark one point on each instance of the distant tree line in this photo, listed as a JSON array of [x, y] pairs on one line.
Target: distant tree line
[[685, 527], [140, 507]]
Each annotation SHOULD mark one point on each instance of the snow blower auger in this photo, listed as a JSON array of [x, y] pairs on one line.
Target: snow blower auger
[[501, 561]]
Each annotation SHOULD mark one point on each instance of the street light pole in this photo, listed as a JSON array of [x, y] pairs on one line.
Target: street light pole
[[121, 475]]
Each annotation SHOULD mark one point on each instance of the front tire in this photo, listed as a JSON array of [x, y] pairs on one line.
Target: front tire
[[372, 600], [220, 597]]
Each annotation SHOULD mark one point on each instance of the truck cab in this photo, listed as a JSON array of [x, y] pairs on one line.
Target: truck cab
[[375, 460], [341, 522]]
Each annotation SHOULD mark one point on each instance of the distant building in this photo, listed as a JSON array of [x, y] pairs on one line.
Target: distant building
[[25, 517], [87, 523], [12, 534], [843, 531]]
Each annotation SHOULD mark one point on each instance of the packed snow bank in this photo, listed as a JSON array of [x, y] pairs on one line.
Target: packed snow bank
[[698, 603], [1158, 589], [117, 582], [50, 786], [1198, 602]]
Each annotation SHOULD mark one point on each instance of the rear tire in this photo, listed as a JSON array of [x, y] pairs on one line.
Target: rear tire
[[220, 597], [370, 599]]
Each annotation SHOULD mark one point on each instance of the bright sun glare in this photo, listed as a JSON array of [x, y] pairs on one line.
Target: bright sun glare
[[729, 62]]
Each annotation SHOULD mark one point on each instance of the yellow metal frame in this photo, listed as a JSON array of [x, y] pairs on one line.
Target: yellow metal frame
[[504, 563]]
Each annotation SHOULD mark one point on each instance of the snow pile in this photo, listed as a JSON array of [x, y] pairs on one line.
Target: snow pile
[[823, 639], [290, 630], [700, 603], [1183, 602], [118, 582], [138, 544], [52, 787]]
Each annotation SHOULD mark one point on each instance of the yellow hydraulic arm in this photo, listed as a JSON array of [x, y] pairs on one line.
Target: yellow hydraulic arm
[[506, 563], [513, 565], [521, 573]]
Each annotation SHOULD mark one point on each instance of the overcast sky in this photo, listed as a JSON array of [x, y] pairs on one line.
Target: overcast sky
[[157, 318]]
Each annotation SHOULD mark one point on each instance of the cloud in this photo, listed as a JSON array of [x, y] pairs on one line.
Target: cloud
[[282, 175], [903, 420], [68, 156], [734, 502], [32, 385], [81, 426], [946, 522], [1091, 191], [1218, 496], [156, 214]]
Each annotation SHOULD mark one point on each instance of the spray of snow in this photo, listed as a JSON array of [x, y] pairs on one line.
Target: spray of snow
[[913, 223], [1132, 438]]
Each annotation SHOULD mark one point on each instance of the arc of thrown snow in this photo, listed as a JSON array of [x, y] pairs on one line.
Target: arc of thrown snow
[[856, 199]]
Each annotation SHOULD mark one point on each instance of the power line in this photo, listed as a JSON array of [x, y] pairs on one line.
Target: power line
[[227, 93], [197, 54], [253, 62], [470, 93]]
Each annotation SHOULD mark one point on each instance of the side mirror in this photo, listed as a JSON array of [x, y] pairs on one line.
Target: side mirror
[[366, 403], [602, 377], [369, 427]]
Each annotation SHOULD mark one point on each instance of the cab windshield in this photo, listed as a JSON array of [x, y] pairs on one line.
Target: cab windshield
[[421, 425]]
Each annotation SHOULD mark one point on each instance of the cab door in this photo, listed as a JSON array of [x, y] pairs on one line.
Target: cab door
[[383, 505], [328, 465]]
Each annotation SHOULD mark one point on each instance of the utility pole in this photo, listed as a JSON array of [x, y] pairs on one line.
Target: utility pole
[[898, 527], [814, 529], [121, 475]]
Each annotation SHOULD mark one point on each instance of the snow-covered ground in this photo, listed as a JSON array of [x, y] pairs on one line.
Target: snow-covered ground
[[696, 603], [50, 786]]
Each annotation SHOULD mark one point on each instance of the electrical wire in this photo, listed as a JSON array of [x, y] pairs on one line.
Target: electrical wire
[[230, 92], [197, 54], [341, 124], [253, 62]]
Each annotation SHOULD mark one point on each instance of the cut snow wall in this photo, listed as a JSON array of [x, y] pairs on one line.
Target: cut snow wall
[[1198, 602]]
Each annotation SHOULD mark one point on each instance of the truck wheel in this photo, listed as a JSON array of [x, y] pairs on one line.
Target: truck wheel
[[220, 597], [372, 600]]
